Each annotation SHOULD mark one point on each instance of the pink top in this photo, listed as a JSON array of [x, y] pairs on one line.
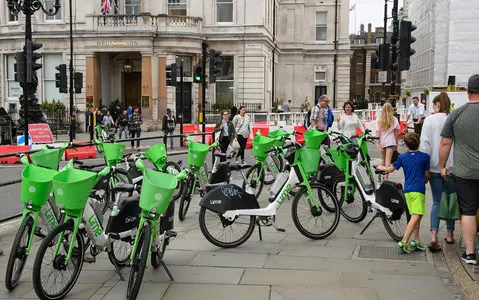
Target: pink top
[[387, 137]]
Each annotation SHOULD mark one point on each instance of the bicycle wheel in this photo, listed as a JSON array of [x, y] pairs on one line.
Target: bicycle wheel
[[269, 177], [18, 254], [158, 253], [138, 265], [120, 175], [312, 216], [355, 208], [46, 261], [252, 176], [120, 253], [186, 197], [181, 183], [396, 224], [215, 227]]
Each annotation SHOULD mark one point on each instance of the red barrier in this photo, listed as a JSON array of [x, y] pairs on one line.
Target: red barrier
[[81, 152], [10, 149], [263, 130], [299, 137]]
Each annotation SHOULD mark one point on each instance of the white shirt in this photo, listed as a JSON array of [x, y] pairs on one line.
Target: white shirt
[[415, 111], [347, 125], [242, 125], [431, 139]]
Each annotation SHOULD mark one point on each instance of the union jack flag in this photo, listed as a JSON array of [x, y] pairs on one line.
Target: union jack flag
[[105, 6], [352, 7]]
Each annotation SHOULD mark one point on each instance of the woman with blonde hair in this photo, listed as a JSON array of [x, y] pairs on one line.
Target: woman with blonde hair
[[387, 130]]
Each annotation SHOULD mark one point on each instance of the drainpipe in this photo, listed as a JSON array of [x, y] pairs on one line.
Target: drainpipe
[[274, 50], [335, 52]]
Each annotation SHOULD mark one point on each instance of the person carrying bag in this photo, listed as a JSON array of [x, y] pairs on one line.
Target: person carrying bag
[[448, 208]]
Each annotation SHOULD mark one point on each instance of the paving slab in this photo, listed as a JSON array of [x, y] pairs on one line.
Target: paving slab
[[217, 292], [330, 293], [349, 265], [290, 277], [297, 238], [314, 251], [179, 257], [295, 263], [404, 268], [96, 276], [148, 291], [226, 259], [79, 291]]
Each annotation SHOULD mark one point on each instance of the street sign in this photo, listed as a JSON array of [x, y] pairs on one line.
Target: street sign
[[383, 76], [40, 133]]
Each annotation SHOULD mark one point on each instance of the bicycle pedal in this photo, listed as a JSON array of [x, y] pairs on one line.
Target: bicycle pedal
[[171, 234], [89, 260], [276, 226], [39, 232], [280, 229]]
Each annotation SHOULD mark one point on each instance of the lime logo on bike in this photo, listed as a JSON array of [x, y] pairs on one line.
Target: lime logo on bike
[[32, 189], [51, 218], [60, 192], [95, 225], [284, 194], [158, 196]]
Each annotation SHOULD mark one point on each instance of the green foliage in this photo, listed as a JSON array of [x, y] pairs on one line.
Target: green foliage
[[222, 105], [53, 106], [426, 91], [407, 92]]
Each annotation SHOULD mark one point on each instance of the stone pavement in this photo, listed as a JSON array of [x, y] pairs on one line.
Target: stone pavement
[[282, 266]]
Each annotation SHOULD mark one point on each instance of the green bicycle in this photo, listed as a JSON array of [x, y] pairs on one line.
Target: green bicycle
[[156, 224]]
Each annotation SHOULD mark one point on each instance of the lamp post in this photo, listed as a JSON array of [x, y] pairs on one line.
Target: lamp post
[[29, 7]]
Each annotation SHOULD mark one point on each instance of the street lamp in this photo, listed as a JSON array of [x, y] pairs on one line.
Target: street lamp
[[29, 7]]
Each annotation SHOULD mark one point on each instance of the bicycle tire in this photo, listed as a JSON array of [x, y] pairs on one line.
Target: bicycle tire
[[296, 219], [387, 225], [186, 197], [181, 183], [11, 280], [216, 242], [138, 266], [113, 257], [261, 181], [364, 209], [51, 239], [280, 163]]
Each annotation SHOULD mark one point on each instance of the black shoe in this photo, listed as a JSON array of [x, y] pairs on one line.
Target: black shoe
[[469, 259]]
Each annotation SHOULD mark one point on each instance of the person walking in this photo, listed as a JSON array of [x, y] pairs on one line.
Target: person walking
[[122, 123], [108, 122], [461, 128], [242, 123], [430, 140], [387, 130], [287, 109], [348, 123], [169, 125], [129, 110], [135, 122], [306, 106], [322, 117], [416, 111], [226, 131]]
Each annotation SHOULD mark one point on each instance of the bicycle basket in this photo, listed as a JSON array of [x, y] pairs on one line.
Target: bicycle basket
[[260, 145], [157, 155], [339, 157], [197, 153], [47, 158], [72, 187], [309, 159], [156, 190], [276, 134], [314, 138], [113, 152], [36, 184]]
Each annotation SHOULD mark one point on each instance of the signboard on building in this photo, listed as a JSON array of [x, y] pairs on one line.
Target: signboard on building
[[383, 76], [117, 43], [40, 133]]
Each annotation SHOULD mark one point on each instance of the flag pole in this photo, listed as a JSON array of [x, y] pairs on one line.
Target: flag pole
[[355, 23]]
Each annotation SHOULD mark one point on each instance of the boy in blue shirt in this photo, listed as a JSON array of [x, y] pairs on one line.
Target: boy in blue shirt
[[416, 174]]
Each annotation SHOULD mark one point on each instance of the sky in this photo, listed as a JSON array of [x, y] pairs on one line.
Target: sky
[[369, 11]]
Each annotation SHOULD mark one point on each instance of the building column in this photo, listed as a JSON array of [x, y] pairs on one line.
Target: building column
[[367, 79], [162, 91], [146, 88], [93, 80]]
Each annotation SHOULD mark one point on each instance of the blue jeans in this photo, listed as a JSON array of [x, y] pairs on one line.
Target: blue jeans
[[437, 185]]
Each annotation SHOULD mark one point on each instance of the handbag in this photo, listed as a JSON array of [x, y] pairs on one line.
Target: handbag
[[235, 145], [448, 207]]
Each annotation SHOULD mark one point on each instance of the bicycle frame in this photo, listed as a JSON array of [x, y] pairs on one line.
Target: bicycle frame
[[155, 224]]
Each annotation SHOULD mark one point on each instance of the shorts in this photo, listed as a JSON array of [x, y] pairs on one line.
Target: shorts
[[392, 146], [416, 203], [468, 195]]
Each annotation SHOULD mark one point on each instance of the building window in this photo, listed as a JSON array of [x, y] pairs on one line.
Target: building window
[[321, 26], [50, 61], [359, 59], [225, 80], [379, 40], [177, 7], [132, 7], [187, 65], [11, 17], [13, 90], [49, 5], [359, 77], [224, 11], [359, 42]]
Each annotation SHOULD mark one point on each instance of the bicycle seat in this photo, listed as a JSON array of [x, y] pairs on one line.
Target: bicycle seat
[[220, 155], [352, 150], [123, 187], [237, 167]]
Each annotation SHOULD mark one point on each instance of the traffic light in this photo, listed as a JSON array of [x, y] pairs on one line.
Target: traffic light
[[19, 67], [215, 64], [171, 75], [405, 41], [77, 82], [61, 78], [32, 56], [382, 57], [198, 76]]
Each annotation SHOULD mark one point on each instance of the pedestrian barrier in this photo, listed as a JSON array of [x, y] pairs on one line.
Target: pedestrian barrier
[[11, 149]]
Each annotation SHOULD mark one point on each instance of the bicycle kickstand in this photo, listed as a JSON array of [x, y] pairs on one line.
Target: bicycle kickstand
[[369, 224], [118, 270], [167, 270], [259, 229]]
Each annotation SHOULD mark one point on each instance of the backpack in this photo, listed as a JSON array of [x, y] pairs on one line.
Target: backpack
[[170, 123], [307, 120]]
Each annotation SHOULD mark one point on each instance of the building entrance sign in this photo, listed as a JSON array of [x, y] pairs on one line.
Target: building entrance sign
[[120, 43]]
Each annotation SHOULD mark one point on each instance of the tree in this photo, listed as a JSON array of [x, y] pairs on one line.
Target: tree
[[35, 114]]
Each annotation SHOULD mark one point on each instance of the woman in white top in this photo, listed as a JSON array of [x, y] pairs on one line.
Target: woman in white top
[[430, 141], [242, 125], [348, 123]]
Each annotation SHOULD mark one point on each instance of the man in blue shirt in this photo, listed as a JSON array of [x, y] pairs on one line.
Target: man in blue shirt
[[416, 174]]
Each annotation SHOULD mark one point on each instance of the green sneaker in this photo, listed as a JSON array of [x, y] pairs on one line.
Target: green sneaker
[[406, 248], [418, 245]]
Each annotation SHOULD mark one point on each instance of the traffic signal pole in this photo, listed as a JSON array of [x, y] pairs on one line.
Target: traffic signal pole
[[203, 89], [385, 38], [394, 40], [181, 99], [72, 126], [28, 39]]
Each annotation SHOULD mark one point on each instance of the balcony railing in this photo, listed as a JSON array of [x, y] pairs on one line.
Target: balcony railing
[[147, 22]]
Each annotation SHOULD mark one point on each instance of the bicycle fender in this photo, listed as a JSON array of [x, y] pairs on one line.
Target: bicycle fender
[[390, 196], [228, 197]]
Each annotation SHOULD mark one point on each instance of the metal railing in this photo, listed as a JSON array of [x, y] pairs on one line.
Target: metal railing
[[146, 21]]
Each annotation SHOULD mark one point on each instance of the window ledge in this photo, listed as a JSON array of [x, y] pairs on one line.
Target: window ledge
[[54, 21], [225, 23], [321, 42], [13, 23]]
